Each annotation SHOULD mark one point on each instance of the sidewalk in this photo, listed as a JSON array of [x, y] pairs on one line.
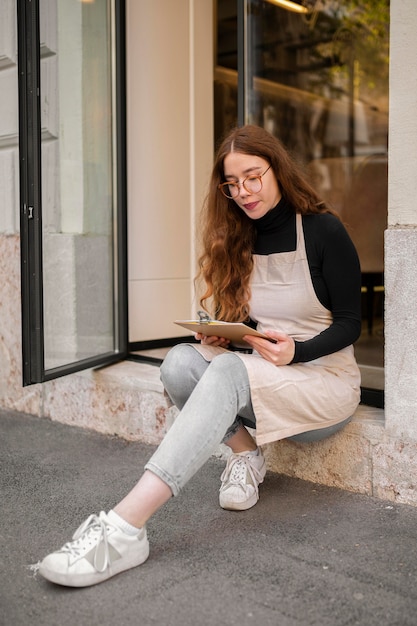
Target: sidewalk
[[305, 555]]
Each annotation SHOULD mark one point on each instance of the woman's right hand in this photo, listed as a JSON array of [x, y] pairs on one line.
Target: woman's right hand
[[210, 340]]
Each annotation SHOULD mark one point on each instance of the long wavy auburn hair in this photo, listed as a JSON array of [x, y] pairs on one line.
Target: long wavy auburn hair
[[227, 234]]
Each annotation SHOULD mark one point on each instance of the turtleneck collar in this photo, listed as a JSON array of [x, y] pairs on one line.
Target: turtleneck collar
[[275, 219], [276, 230]]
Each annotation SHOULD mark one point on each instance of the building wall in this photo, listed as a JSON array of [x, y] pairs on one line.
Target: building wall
[[170, 143], [11, 394], [401, 236], [9, 157], [169, 157]]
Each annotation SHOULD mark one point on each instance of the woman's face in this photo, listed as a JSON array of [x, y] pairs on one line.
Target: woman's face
[[237, 167]]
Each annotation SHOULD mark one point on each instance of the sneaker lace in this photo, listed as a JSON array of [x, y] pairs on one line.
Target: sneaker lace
[[91, 532], [236, 471]]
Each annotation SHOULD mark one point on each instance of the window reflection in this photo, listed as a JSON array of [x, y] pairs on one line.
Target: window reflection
[[77, 181], [320, 83]]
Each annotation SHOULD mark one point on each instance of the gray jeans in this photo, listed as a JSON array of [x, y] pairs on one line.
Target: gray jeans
[[210, 396], [214, 400]]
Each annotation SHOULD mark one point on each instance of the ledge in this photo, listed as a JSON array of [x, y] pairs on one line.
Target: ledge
[[127, 400]]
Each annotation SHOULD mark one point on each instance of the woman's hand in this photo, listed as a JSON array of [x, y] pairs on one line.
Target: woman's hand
[[280, 353], [211, 340]]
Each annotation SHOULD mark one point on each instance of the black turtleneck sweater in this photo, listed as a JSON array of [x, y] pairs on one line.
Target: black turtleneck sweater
[[334, 268]]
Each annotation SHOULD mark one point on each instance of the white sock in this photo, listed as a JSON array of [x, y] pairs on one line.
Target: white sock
[[122, 524], [250, 452]]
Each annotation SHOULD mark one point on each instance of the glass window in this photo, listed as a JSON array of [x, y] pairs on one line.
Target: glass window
[[76, 118], [317, 78], [72, 149]]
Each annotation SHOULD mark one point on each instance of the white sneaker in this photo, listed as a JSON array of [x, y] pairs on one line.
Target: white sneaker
[[98, 551], [240, 481]]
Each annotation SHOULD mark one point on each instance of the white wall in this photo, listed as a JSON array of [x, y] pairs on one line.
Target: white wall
[[9, 156], [401, 236], [169, 153]]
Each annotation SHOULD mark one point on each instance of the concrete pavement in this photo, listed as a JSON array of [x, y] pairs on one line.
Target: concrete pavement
[[305, 555]]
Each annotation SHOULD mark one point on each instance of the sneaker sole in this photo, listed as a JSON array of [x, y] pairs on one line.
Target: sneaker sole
[[239, 506], [94, 578]]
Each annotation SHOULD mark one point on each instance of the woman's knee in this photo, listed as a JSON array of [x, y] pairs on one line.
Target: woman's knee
[[180, 372], [228, 364], [229, 372], [176, 363]]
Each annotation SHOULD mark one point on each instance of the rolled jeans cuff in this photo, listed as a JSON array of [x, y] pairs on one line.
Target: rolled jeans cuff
[[158, 471]]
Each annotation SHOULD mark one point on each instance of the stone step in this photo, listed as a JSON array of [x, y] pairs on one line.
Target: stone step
[[127, 400]]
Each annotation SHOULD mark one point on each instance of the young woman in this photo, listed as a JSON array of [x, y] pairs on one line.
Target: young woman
[[275, 256]]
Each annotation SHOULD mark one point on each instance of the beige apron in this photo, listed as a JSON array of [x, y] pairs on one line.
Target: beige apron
[[292, 399]]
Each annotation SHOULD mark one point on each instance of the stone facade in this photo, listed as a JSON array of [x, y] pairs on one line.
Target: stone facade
[[376, 453]]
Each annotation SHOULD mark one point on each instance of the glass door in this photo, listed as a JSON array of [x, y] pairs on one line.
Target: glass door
[[72, 185], [315, 74]]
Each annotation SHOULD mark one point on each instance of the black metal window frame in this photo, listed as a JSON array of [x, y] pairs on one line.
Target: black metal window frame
[[33, 361]]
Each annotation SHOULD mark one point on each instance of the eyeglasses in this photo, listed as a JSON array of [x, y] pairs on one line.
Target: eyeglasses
[[252, 184]]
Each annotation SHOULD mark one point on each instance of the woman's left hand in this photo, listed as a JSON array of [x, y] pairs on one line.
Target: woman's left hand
[[280, 353], [211, 340]]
